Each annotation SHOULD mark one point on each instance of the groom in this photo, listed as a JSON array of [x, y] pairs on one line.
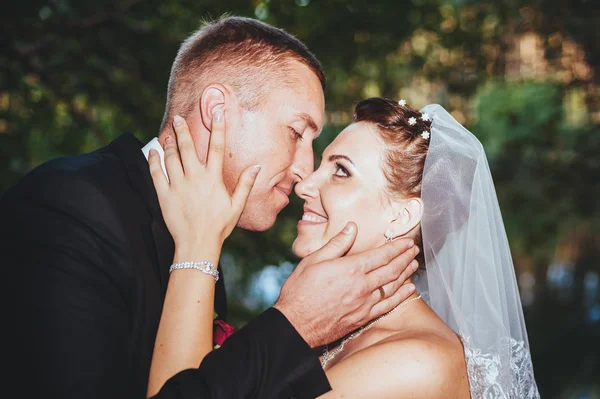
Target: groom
[[87, 251]]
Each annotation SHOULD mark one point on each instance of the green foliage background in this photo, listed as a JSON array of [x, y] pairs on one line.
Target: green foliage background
[[74, 75]]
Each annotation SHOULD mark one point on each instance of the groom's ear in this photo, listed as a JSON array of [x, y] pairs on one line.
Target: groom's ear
[[213, 98], [408, 214]]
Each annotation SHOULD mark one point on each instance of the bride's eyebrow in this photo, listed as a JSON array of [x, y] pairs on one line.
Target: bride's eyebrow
[[336, 157]]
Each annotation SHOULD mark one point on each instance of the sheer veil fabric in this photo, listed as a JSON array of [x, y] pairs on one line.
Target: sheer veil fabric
[[469, 279]]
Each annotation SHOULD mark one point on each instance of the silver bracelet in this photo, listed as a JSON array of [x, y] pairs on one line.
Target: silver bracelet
[[204, 267]]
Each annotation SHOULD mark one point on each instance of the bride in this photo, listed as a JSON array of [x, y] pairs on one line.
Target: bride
[[395, 172]]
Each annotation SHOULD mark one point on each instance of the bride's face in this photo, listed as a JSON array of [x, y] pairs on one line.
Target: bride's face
[[348, 186]]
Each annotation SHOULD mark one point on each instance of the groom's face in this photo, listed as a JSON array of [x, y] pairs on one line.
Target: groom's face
[[278, 135]]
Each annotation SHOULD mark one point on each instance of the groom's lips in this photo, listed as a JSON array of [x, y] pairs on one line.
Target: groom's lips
[[285, 192]]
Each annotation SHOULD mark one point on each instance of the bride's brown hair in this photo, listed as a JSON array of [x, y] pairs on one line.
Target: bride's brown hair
[[406, 148]]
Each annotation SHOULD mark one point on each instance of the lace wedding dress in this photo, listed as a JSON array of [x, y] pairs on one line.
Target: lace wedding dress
[[484, 370]]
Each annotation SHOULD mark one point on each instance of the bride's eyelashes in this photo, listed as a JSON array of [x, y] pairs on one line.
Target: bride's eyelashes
[[341, 171], [296, 134]]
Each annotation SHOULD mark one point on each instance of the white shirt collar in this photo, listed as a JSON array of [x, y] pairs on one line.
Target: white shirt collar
[[156, 145]]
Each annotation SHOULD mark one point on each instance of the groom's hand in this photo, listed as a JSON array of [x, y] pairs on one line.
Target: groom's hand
[[330, 295]]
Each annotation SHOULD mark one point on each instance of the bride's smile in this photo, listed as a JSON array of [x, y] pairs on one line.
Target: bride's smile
[[311, 217]]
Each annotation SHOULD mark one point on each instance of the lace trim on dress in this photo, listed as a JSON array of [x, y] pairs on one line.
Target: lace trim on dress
[[490, 378]]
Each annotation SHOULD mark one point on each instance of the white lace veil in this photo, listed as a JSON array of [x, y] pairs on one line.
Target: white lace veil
[[469, 279]]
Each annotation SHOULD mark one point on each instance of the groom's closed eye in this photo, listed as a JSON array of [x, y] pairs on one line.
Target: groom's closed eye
[[296, 134], [309, 122]]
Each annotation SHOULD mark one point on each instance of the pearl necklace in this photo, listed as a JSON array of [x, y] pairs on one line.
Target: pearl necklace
[[328, 356]]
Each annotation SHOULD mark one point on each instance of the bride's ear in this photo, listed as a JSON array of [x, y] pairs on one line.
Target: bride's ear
[[212, 99], [408, 214]]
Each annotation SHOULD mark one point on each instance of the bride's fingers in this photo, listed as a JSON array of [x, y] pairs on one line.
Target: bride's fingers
[[189, 158], [172, 160], [156, 171], [216, 147], [243, 188]]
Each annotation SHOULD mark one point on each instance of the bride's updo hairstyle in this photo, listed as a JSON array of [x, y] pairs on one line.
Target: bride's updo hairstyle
[[406, 150]]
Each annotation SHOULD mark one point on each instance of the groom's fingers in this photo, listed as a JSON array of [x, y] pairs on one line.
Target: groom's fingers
[[216, 148], [378, 258], [390, 303], [390, 288], [244, 186], [336, 247], [398, 267], [189, 159]]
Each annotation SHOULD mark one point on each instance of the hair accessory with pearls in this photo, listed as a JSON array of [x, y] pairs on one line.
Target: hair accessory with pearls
[[425, 135], [402, 102], [412, 121]]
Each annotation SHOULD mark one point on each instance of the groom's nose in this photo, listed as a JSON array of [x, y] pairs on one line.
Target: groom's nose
[[303, 164]]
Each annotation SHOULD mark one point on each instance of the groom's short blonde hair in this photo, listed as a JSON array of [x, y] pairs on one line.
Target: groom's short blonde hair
[[248, 55]]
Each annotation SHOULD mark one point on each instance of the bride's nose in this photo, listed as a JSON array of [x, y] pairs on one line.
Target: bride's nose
[[307, 188]]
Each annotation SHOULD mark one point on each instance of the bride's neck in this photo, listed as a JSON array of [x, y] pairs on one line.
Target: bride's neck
[[404, 318]]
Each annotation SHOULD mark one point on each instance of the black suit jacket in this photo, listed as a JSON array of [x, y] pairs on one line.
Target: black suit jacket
[[86, 252]]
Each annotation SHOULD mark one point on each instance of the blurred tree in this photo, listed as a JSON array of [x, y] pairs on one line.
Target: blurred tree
[[520, 74], [545, 171]]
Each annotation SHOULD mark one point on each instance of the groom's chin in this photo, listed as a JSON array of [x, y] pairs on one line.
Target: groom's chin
[[256, 222]]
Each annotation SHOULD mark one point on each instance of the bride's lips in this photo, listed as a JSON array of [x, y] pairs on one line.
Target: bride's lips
[[311, 217]]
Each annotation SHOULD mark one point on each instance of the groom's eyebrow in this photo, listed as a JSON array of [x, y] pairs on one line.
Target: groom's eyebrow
[[336, 157], [309, 121]]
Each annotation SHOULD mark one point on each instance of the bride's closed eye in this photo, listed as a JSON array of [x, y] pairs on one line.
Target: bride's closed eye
[[341, 171]]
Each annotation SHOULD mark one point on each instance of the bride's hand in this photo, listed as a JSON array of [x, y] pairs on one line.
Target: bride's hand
[[197, 207]]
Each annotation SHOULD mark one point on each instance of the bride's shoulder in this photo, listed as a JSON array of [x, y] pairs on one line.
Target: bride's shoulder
[[413, 364], [422, 351], [434, 349]]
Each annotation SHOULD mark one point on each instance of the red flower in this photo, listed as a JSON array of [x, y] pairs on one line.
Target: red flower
[[222, 331]]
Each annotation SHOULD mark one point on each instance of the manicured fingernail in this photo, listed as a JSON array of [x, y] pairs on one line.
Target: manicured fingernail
[[152, 152], [255, 170], [417, 250], [218, 115], [414, 265], [411, 243], [348, 229], [412, 288], [177, 120], [169, 140]]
